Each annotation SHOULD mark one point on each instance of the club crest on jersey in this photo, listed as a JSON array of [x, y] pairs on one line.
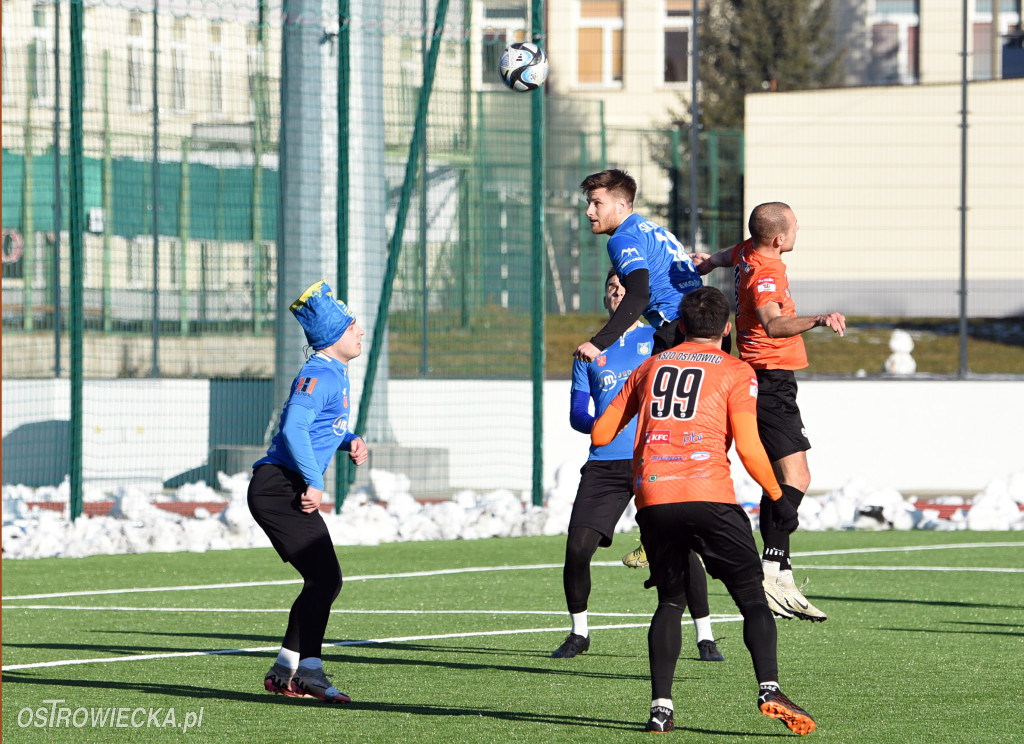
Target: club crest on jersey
[[340, 426], [766, 285], [644, 348], [601, 360]]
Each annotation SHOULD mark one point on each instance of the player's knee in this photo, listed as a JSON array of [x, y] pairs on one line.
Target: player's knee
[[677, 607], [747, 596]]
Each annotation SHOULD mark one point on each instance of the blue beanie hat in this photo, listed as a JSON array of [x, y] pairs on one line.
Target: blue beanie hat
[[323, 318]]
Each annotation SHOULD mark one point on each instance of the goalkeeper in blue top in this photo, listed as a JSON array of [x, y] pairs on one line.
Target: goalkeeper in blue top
[[651, 264], [606, 482], [288, 484]]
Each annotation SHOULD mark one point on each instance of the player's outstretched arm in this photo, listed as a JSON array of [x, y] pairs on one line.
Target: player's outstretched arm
[[705, 263], [777, 325]]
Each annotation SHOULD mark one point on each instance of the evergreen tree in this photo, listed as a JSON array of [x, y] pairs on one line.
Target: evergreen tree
[[751, 46]]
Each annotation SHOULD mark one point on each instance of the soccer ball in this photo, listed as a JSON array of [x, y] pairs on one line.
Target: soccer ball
[[523, 66]]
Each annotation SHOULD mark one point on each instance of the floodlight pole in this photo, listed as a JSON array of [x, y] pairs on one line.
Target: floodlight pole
[[694, 126], [963, 196]]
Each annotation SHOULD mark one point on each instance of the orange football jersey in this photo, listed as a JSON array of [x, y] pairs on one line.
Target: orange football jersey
[[683, 398], [760, 280]]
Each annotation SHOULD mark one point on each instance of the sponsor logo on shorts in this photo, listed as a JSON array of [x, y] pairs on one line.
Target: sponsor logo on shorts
[[700, 456], [803, 432], [658, 436]]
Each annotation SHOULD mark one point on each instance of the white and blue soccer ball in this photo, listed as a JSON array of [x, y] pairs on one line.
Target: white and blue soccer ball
[[523, 66]]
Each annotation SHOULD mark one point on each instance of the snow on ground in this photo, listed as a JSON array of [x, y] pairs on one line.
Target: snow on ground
[[387, 512]]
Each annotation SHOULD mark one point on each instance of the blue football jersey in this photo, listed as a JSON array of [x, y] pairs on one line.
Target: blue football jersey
[[602, 379], [641, 244], [322, 387]]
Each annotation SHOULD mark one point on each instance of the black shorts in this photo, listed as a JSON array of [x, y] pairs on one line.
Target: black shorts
[[669, 334], [606, 486], [275, 495], [719, 533], [778, 417]]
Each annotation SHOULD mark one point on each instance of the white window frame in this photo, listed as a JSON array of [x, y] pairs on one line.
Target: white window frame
[[506, 29], [903, 21], [254, 66], [41, 48], [139, 262], [136, 64], [677, 23], [179, 68], [216, 69], [608, 27]]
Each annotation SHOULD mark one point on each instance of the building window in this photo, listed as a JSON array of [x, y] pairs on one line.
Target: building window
[[502, 25], [137, 267], [216, 70], [254, 60], [40, 56], [179, 74], [894, 48], [678, 23], [136, 63], [988, 66], [599, 43]]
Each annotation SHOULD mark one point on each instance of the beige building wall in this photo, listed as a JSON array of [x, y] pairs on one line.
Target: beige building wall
[[643, 100], [873, 175]]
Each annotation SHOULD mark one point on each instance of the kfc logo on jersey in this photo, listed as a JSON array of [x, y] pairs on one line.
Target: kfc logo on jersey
[[601, 360], [767, 284], [658, 436]]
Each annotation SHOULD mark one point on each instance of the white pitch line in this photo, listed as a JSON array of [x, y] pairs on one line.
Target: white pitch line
[[473, 569], [369, 642], [969, 569], [86, 608], [854, 551]]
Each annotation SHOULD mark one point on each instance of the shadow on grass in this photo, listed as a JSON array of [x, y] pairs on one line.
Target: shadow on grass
[[924, 602], [205, 693]]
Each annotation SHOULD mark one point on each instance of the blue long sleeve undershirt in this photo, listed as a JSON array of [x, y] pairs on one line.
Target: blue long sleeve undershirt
[[579, 412]]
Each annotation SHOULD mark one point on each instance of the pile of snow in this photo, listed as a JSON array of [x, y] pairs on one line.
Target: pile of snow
[[387, 512]]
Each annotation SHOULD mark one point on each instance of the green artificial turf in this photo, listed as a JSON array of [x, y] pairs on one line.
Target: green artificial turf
[[910, 652]]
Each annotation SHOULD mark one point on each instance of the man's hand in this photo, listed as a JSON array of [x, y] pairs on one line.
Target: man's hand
[[310, 501], [835, 321], [784, 515], [587, 352], [702, 262], [358, 451]]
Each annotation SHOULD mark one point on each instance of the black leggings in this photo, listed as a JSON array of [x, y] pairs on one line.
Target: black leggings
[[307, 621], [580, 546], [303, 540]]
